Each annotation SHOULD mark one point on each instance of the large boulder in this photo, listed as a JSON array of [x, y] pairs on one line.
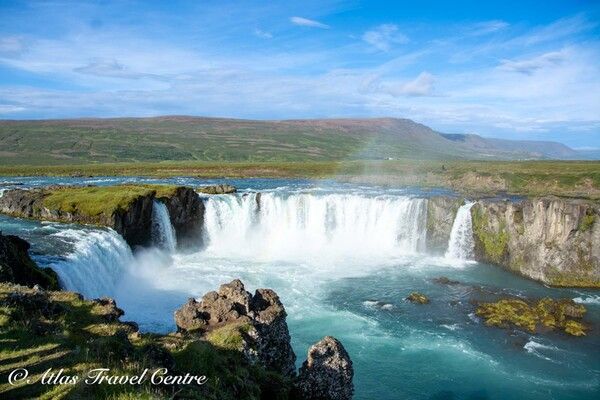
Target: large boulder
[[261, 319], [17, 267], [327, 372], [217, 189]]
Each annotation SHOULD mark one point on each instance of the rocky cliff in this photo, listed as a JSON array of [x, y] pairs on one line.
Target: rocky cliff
[[17, 267], [126, 209], [441, 212], [555, 241]]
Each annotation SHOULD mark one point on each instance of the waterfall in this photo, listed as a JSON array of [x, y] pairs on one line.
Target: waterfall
[[96, 263], [300, 226], [163, 234], [460, 245]]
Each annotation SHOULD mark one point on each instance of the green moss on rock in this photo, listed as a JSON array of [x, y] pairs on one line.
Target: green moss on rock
[[418, 298], [531, 316], [494, 244], [587, 222], [229, 337], [96, 201]]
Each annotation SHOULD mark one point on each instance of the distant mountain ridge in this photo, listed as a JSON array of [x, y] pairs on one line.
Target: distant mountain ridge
[[71, 141], [537, 148]]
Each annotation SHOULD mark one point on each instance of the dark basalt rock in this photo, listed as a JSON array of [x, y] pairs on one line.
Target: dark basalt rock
[[442, 280], [17, 267], [186, 211], [267, 339], [110, 311], [327, 372]]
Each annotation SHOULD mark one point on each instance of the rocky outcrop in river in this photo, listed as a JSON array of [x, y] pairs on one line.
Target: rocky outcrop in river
[[552, 240], [260, 319], [327, 372], [256, 325]]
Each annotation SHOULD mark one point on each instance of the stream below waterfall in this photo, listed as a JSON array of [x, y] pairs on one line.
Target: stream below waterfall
[[342, 258]]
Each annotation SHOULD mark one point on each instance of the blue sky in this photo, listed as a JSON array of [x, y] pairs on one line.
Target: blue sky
[[518, 70]]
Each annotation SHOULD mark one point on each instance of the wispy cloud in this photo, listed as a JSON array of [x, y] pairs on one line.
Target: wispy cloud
[[113, 69], [263, 34], [486, 27], [422, 85], [529, 66], [11, 44], [300, 21], [384, 37]]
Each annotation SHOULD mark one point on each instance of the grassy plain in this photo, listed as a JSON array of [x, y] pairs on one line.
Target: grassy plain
[[530, 178]]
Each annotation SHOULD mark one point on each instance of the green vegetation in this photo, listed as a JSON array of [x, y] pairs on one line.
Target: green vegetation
[[230, 337], [494, 244], [531, 178], [551, 314], [586, 222], [80, 141], [39, 330], [93, 201]]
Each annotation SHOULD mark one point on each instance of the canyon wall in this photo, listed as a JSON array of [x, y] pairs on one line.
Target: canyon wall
[[552, 240]]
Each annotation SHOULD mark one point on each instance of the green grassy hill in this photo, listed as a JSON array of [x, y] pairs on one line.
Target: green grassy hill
[[175, 138]]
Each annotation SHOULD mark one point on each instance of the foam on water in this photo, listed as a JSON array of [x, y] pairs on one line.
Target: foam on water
[[591, 299]]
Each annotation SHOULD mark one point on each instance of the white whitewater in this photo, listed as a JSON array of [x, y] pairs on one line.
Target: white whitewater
[[461, 244], [97, 262], [305, 226], [163, 233]]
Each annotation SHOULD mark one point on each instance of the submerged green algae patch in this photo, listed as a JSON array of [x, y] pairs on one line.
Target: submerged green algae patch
[[561, 314]]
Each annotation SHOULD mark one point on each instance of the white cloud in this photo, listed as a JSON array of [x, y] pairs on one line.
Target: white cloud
[[11, 44], [10, 109], [529, 66], [384, 37], [308, 22], [483, 28], [422, 85], [263, 34]]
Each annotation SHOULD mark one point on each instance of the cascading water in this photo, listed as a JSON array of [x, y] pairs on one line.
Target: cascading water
[[304, 226], [163, 234], [97, 262], [460, 245]]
